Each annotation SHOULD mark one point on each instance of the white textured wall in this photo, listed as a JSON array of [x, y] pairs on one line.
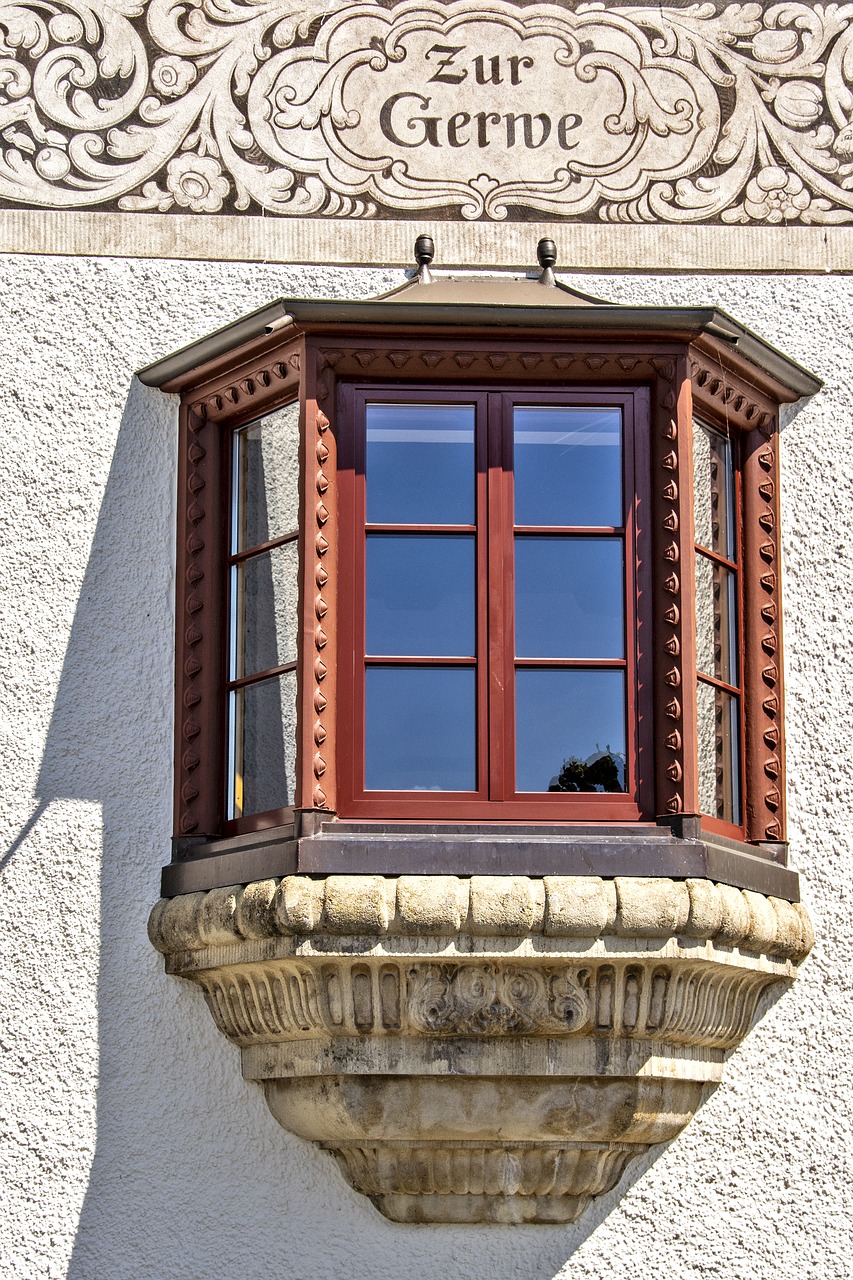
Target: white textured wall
[[130, 1146]]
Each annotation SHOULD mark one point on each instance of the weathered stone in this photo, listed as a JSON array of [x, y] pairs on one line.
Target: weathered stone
[[356, 905], [579, 906], [490, 1065], [650, 908], [706, 909], [299, 904], [254, 915], [763, 923], [430, 904], [735, 917], [501, 905]]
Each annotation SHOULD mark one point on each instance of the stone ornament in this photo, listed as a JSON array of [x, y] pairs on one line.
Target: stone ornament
[[738, 113], [492, 1049]]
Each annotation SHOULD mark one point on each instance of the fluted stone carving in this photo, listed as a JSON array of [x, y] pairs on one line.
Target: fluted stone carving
[[486, 1050]]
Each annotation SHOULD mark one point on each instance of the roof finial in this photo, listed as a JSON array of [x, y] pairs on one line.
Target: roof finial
[[546, 252], [424, 254]]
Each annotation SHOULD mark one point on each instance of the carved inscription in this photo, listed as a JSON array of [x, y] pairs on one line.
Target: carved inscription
[[678, 113]]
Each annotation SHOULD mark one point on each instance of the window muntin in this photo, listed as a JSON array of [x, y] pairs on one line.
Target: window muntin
[[263, 592], [719, 695], [544, 699]]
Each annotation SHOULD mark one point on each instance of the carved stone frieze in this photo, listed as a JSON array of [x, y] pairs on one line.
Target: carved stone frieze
[[673, 113], [486, 1050]]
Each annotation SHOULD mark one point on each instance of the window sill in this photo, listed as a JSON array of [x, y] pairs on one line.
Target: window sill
[[330, 847]]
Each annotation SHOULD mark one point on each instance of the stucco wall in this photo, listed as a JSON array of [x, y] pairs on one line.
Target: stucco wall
[[131, 1147]]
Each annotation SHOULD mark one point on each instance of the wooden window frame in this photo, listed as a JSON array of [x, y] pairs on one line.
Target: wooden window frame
[[682, 378], [496, 798]]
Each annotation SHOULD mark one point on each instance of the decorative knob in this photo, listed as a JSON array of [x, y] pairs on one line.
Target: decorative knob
[[424, 254], [546, 252]]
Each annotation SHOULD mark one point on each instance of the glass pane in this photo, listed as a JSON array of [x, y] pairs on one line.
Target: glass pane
[[570, 730], [719, 753], [568, 465], [263, 746], [420, 464], [716, 620], [569, 597], [420, 729], [266, 479], [713, 491], [266, 614], [420, 595]]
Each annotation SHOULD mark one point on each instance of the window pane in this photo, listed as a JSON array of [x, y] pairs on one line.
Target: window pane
[[568, 465], [713, 491], [719, 753], [266, 467], [263, 746], [420, 464], [569, 597], [570, 730], [716, 620], [420, 729], [266, 614], [420, 595]]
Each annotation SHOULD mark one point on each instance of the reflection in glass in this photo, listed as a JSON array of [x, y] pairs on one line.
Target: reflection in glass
[[716, 620], [719, 753], [420, 464], [266, 615], [420, 595], [569, 597], [713, 491], [262, 757], [570, 730], [266, 479], [420, 729], [568, 465]]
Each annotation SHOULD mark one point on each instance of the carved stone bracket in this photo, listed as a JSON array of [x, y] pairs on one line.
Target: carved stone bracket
[[487, 1050]]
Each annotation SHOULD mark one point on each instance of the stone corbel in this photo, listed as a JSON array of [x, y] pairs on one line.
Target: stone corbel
[[493, 1049]]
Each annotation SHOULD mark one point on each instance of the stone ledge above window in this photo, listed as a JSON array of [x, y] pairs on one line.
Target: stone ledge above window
[[492, 1049]]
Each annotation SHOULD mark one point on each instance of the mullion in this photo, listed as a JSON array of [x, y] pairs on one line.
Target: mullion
[[420, 528], [257, 676], [716, 558], [568, 530], [409, 660], [247, 553], [733, 689], [576, 663]]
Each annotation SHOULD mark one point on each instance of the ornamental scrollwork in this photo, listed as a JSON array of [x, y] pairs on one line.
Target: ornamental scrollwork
[[731, 113]]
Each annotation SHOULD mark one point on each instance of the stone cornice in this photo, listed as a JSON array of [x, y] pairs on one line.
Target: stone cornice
[[472, 910]]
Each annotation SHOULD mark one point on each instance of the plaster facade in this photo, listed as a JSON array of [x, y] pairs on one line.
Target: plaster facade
[[131, 1147]]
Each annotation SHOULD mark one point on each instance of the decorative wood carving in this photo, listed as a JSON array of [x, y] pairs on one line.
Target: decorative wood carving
[[198, 640], [675, 782], [765, 738], [727, 396]]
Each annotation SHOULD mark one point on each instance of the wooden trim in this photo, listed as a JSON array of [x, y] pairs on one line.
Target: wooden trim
[[676, 783], [764, 748], [200, 638], [316, 746]]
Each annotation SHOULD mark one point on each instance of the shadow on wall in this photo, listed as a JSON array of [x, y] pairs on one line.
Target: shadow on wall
[[192, 1179]]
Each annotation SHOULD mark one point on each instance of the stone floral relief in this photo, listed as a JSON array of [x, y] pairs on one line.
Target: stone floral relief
[[738, 113]]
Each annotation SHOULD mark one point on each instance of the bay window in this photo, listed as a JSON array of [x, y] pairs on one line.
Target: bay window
[[479, 576]]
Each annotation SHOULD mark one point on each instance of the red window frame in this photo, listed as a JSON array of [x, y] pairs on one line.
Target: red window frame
[[710, 823], [496, 798]]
